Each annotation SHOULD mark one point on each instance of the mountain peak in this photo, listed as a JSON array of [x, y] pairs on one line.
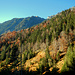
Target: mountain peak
[[49, 17], [72, 8]]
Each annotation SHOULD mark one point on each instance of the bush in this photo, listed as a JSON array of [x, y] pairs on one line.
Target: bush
[[41, 69], [2, 64]]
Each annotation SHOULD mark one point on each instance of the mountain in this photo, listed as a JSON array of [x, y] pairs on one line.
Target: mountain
[[49, 17], [19, 23], [45, 49]]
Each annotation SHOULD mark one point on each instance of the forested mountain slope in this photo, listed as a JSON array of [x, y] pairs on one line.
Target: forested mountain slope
[[19, 23], [37, 49]]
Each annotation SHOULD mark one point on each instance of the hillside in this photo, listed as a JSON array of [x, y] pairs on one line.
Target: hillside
[[45, 49], [19, 23]]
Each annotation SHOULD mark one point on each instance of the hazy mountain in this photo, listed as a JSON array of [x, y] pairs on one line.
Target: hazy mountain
[[19, 23]]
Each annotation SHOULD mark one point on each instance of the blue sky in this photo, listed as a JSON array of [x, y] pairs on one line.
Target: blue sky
[[23, 8]]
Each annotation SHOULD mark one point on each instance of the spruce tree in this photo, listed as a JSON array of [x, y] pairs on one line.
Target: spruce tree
[[7, 60], [3, 55], [69, 60]]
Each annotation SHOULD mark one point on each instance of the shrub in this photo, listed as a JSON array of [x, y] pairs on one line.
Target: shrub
[[2, 64]]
